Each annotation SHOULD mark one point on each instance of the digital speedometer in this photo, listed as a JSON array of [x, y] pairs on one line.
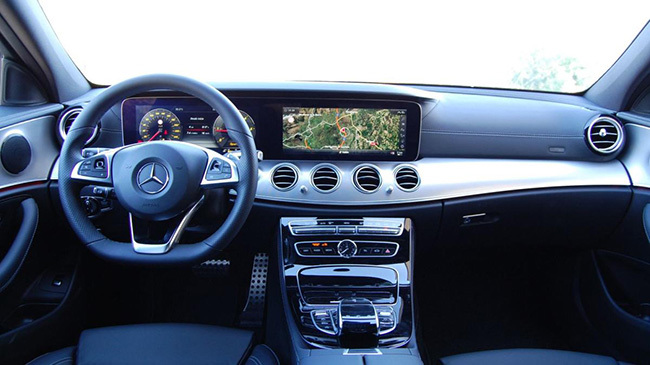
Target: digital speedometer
[[160, 124]]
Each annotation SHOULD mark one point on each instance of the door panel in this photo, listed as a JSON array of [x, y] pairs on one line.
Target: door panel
[[18, 247]]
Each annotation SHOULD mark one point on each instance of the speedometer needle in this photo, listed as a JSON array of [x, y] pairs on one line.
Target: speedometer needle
[[154, 135]]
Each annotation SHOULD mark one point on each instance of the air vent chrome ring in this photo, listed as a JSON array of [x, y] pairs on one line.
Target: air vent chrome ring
[[74, 113], [366, 178], [325, 173], [598, 131], [287, 177], [406, 177]]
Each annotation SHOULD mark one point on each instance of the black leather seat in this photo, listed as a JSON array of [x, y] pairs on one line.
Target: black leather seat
[[528, 357], [171, 343]]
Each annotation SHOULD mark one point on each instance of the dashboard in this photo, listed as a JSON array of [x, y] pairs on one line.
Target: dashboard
[[286, 128], [351, 144]]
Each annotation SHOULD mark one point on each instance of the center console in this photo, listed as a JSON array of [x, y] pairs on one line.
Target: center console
[[348, 281]]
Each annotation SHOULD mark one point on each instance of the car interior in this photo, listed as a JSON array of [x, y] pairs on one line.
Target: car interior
[[162, 219]]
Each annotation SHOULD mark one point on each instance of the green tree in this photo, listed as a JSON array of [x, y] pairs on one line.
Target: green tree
[[549, 73]]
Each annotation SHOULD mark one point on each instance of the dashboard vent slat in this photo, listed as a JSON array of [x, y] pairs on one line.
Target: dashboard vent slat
[[284, 177], [407, 178], [604, 135], [367, 179], [325, 178]]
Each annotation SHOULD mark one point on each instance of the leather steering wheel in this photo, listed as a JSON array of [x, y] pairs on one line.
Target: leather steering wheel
[[158, 181]]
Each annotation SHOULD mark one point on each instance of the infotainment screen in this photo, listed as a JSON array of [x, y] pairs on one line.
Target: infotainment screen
[[344, 130]]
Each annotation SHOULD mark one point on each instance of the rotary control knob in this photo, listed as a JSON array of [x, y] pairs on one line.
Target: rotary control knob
[[347, 248]]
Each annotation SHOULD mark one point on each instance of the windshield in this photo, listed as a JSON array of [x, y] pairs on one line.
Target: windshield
[[560, 46]]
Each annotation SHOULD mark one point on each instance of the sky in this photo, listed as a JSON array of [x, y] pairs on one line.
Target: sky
[[468, 43]]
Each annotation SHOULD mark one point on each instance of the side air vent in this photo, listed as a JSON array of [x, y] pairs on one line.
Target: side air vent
[[605, 135], [367, 179], [407, 178], [284, 177], [66, 120], [325, 178]]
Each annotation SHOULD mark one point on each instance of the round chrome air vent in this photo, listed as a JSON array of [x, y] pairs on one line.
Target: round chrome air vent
[[325, 178], [367, 178], [284, 176], [605, 135], [65, 122], [407, 178]]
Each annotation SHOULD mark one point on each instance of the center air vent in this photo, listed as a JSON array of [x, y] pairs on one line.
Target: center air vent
[[367, 179], [325, 178], [407, 178], [284, 177], [605, 135], [66, 120]]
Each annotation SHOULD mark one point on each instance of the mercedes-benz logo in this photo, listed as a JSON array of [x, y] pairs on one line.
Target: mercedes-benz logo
[[152, 178]]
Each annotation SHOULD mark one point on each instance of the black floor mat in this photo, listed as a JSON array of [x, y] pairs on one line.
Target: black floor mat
[[123, 295]]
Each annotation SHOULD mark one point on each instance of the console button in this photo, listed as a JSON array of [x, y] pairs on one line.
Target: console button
[[347, 230], [389, 251], [377, 251], [329, 251], [365, 251], [377, 230], [317, 251], [304, 250], [314, 230]]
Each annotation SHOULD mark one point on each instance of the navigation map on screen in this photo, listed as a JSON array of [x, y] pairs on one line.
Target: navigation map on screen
[[344, 129]]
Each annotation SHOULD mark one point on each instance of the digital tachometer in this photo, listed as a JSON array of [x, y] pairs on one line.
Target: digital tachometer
[[160, 124]]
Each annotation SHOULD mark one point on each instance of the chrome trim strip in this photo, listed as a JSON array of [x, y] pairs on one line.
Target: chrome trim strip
[[447, 178], [156, 249], [38, 132], [363, 352], [636, 156]]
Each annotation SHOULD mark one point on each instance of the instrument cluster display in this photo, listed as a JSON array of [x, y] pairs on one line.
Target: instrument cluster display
[[177, 119]]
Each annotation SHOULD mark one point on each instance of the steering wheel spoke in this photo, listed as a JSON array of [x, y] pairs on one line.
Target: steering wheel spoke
[[174, 238], [220, 171], [95, 169]]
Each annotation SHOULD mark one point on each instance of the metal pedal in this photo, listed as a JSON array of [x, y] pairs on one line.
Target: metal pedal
[[253, 314], [212, 269]]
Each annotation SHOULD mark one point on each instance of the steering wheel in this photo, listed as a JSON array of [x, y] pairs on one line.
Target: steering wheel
[[158, 181]]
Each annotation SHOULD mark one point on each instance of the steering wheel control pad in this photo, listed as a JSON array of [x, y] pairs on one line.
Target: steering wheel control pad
[[158, 180]]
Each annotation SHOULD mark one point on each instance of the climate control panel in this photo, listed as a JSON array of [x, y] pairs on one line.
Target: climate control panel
[[346, 248]]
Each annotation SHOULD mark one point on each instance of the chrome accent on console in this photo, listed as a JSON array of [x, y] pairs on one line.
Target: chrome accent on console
[[356, 226], [38, 132], [636, 157], [447, 178]]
